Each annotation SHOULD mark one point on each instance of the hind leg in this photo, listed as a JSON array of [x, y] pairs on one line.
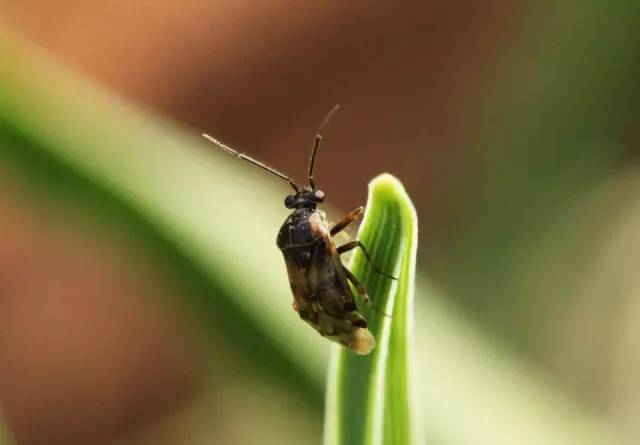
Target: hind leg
[[359, 286], [352, 245], [363, 292]]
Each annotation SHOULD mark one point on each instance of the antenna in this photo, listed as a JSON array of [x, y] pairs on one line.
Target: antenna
[[316, 144], [250, 159]]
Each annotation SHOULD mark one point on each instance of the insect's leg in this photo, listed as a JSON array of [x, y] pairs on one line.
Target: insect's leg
[[351, 217], [359, 287], [362, 291], [352, 245]]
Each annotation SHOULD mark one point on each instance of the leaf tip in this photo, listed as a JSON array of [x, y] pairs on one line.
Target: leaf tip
[[386, 184]]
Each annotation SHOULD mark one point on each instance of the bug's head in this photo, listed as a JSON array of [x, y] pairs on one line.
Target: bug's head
[[307, 198]]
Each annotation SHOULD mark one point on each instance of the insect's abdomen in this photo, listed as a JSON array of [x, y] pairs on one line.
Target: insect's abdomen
[[346, 327], [360, 341]]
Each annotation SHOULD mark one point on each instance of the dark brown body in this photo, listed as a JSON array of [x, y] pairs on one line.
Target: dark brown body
[[320, 282]]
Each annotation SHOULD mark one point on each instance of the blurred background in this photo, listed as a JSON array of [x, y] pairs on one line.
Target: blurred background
[[511, 124]]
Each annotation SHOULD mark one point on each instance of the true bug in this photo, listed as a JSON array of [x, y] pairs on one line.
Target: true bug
[[319, 281]]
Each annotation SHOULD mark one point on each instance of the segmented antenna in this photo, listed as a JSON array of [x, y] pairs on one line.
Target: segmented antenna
[[250, 159], [316, 144]]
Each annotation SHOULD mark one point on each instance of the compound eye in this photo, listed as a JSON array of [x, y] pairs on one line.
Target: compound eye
[[319, 195], [288, 201]]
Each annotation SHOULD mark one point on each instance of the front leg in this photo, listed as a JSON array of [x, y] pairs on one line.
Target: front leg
[[350, 218]]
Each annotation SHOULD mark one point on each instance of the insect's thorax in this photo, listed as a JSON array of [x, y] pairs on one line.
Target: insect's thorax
[[302, 229]]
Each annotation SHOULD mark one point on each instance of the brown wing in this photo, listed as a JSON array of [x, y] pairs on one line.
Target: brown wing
[[338, 318], [298, 283], [327, 281]]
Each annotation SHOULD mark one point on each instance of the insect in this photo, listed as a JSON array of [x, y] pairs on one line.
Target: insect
[[319, 281]]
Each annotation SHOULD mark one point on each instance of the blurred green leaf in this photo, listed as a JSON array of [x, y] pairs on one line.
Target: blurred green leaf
[[476, 391], [370, 398], [556, 120]]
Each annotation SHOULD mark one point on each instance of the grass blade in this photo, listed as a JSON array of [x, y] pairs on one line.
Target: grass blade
[[369, 399]]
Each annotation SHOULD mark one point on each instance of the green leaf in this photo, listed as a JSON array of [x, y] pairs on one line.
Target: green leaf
[[370, 398]]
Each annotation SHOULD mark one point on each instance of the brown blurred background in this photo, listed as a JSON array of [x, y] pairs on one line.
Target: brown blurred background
[[413, 79]]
